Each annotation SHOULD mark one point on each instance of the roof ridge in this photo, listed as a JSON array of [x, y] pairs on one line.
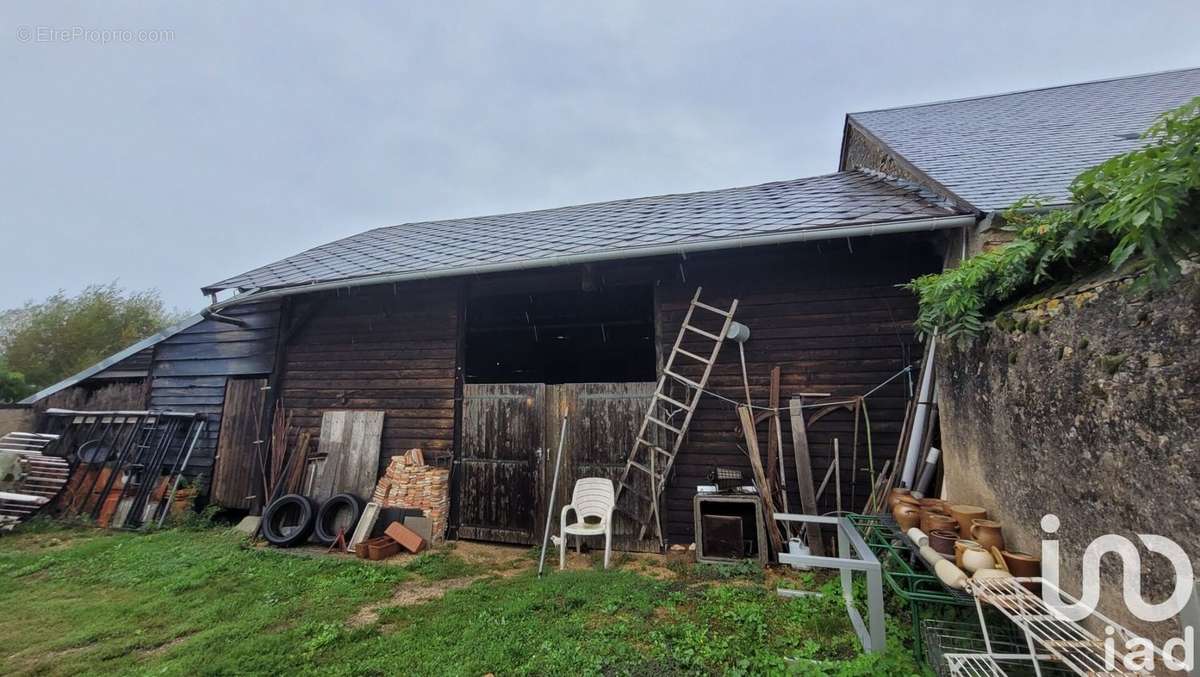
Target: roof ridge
[[1026, 91], [603, 202]]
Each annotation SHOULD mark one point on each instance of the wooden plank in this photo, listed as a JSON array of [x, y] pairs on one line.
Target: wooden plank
[[804, 474], [760, 477], [236, 473], [350, 443]]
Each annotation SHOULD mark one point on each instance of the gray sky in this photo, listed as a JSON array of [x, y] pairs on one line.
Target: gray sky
[[247, 135]]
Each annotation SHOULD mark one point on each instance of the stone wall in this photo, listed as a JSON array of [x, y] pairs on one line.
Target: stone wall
[[1084, 404]]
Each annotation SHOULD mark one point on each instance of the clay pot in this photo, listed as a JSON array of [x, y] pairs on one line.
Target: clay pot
[[987, 533], [894, 496], [907, 513], [975, 558], [1022, 565], [934, 503], [933, 520], [959, 546], [942, 541], [965, 514]]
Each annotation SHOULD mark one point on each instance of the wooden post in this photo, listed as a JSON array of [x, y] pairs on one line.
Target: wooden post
[[804, 478], [760, 478]]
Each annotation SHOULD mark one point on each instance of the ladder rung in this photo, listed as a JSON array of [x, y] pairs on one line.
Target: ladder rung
[[684, 379], [701, 332], [711, 309], [639, 466], [634, 491], [671, 400], [655, 447], [694, 356], [664, 424]]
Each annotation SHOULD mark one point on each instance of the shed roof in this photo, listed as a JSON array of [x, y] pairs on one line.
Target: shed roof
[[620, 228], [990, 151]]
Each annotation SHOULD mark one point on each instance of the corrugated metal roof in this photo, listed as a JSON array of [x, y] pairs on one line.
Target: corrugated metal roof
[[835, 200], [991, 150]]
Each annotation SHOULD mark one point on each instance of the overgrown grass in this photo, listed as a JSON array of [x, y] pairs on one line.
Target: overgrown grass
[[81, 601]]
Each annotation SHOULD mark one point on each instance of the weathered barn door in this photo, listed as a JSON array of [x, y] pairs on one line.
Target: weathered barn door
[[602, 420], [503, 444], [235, 476]]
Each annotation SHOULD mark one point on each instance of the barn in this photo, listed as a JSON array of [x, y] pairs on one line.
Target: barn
[[475, 336]]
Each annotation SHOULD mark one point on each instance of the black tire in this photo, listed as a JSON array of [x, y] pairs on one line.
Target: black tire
[[342, 510], [289, 520]]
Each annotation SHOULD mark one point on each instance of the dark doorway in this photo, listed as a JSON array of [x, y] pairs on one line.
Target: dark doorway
[[605, 335]]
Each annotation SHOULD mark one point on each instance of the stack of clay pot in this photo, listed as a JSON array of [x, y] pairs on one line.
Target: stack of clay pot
[[958, 535]]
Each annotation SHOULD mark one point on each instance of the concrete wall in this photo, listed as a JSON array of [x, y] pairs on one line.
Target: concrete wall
[[1086, 405]]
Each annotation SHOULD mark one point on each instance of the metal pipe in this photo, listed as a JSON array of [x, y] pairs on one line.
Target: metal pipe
[[909, 226], [165, 414], [562, 436], [914, 452], [210, 314], [165, 506]]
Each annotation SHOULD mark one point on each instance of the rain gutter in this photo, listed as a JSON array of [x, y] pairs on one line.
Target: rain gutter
[[833, 232]]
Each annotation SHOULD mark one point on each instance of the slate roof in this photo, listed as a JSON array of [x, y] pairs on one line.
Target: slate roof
[[620, 228], [991, 150]]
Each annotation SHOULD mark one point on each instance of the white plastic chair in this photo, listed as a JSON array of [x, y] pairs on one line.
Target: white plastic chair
[[593, 497]]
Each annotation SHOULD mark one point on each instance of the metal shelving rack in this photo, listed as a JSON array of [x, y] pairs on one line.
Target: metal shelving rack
[[1049, 631]]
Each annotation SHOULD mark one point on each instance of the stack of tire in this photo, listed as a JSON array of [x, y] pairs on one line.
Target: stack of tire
[[293, 519]]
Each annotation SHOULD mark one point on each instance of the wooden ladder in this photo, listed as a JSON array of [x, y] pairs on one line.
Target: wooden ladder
[[644, 458]]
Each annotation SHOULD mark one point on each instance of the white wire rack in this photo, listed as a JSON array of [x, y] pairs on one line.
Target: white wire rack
[[973, 665], [1045, 628]]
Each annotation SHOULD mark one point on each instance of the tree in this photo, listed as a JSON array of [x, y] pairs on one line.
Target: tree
[[48, 341], [13, 387]]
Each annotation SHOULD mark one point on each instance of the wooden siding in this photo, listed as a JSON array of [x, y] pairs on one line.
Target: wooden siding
[[136, 365], [192, 367], [603, 419], [385, 348], [832, 319], [500, 461], [235, 475]]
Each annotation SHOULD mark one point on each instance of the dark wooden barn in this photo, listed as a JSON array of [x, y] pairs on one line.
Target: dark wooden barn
[[476, 336]]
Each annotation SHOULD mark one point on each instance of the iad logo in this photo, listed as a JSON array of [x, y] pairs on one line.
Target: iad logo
[[1138, 650]]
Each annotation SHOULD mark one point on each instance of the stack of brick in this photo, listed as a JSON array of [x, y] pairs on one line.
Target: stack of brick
[[410, 483]]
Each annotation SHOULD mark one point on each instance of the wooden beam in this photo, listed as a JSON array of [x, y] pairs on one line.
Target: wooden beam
[[804, 477], [760, 478]]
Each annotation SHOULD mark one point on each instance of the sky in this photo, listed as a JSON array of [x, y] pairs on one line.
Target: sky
[[172, 145]]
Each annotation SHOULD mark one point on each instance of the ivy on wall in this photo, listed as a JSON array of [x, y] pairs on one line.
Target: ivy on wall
[[1142, 206]]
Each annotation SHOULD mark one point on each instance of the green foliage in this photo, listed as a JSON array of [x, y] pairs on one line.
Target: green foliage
[[13, 387], [85, 601], [1140, 206], [51, 340]]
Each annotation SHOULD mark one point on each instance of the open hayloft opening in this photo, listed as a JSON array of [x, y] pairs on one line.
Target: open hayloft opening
[[571, 336]]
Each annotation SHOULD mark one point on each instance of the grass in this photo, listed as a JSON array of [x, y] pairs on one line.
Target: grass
[[83, 601]]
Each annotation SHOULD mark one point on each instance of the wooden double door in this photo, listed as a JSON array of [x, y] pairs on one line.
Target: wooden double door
[[506, 453]]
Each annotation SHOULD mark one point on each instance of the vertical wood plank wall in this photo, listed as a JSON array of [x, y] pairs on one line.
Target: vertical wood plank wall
[[833, 320], [380, 348], [235, 471]]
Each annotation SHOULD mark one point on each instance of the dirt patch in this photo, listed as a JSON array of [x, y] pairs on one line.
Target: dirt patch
[[410, 594], [163, 648]]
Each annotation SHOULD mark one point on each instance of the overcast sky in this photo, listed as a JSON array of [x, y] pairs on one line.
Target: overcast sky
[[241, 136]]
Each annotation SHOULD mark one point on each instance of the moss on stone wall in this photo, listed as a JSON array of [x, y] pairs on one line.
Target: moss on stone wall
[[1084, 403]]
